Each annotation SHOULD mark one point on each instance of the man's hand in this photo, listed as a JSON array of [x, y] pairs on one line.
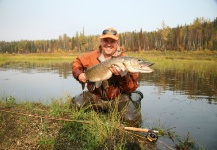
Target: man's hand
[[116, 70], [82, 77]]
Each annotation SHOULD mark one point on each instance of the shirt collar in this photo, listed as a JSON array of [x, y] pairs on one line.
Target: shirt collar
[[101, 58]]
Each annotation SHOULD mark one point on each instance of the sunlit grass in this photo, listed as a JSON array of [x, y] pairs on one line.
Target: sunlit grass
[[150, 55], [163, 60], [184, 55], [42, 127], [45, 57]]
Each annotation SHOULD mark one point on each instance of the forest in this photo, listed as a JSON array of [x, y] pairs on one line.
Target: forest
[[199, 35]]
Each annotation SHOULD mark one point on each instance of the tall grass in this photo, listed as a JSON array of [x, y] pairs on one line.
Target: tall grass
[[39, 58], [88, 129], [85, 128]]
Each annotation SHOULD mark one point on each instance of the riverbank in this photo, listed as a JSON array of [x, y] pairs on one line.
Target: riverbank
[[162, 59], [150, 55], [57, 126]]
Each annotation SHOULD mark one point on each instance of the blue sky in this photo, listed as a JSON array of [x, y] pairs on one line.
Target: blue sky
[[47, 19]]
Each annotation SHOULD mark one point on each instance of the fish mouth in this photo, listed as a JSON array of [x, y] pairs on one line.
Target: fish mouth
[[143, 69], [149, 70]]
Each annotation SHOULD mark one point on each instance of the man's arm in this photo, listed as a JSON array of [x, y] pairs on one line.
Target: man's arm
[[77, 69]]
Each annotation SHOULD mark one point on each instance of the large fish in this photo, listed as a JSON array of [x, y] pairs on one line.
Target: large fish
[[102, 72]]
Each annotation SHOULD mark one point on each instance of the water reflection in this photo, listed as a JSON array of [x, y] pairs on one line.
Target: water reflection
[[184, 82], [38, 82], [63, 69]]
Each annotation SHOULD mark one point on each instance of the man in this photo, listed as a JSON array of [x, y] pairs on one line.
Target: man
[[118, 86]]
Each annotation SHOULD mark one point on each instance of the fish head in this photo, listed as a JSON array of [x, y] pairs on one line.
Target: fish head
[[138, 65]]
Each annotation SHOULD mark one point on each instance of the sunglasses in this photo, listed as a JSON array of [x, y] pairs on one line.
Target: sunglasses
[[113, 32]]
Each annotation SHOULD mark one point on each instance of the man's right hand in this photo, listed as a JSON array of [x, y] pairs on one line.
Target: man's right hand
[[82, 77], [116, 70]]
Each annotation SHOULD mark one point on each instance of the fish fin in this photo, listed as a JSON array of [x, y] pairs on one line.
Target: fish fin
[[127, 76], [124, 73], [123, 69], [98, 84], [82, 85], [105, 84], [104, 93], [92, 87]]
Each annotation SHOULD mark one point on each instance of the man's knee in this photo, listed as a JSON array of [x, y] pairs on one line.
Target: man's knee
[[87, 99]]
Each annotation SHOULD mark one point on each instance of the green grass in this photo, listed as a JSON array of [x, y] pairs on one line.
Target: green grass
[[84, 129], [36, 126], [37, 58]]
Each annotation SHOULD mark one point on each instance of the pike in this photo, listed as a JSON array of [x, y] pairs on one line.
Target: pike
[[101, 72]]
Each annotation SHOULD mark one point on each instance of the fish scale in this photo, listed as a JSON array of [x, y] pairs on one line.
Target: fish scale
[[101, 72]]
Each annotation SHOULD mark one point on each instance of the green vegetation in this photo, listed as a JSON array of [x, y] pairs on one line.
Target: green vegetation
[[148, 55], [60, 126], [54, 57]]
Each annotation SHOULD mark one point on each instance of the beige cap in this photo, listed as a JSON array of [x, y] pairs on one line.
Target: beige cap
[[110, 33]]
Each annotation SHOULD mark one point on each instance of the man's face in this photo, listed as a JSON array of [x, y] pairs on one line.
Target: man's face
[[109, 46]]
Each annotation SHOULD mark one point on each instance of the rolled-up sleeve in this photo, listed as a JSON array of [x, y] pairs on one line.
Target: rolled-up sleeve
[[77, 68]]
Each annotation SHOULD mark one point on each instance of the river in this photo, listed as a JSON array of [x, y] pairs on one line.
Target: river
[[180, 100]]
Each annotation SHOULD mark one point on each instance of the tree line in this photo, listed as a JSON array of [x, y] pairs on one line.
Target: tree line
[[200, 35]]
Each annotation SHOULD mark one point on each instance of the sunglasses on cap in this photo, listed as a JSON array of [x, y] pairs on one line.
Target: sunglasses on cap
[[113, 32]]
